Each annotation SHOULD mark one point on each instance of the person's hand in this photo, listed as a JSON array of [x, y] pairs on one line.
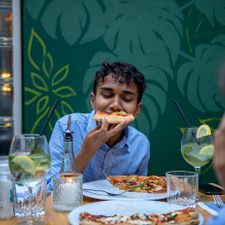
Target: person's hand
[[219, 156], [103, 133]]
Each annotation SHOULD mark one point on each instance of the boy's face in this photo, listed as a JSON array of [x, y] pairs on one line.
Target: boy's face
[[113, 96]]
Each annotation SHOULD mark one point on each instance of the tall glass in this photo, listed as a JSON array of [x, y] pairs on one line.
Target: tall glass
[[29, 164], [196, 151]]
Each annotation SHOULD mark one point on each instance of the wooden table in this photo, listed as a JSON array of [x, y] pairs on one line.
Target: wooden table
[[57, 218]]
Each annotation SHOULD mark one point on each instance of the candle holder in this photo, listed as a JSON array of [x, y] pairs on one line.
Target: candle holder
[[67, 191]]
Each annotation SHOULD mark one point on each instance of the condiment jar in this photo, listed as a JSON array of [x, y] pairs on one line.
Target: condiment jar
[[7, 188]]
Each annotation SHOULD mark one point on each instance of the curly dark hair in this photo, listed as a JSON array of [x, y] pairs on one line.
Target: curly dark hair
[[124, 73]]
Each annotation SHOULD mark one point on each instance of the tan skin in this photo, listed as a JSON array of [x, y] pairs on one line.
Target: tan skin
[[110, 96], [219, 156], [219, 139]]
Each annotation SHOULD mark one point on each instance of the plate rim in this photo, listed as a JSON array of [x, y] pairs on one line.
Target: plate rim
[[125, 202], [158, 196]]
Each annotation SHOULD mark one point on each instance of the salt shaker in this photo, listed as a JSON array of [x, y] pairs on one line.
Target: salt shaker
[[7, 189]]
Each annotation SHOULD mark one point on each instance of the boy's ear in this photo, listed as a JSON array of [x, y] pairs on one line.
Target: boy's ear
[[92, 99], [138, 109]]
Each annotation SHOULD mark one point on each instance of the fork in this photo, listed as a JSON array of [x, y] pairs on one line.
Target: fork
[[108, 193], [218, 201]]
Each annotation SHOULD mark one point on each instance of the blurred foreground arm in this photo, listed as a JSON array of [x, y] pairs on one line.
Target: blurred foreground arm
[[219, 157]]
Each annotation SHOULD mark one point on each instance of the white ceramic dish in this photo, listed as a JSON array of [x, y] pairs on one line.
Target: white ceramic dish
[[105, 185], [124, 208]]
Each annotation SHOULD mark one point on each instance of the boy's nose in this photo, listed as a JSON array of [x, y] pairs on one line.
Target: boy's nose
[[115, 105]]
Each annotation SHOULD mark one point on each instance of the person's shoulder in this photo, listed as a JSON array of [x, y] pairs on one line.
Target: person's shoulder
[[133, 133]]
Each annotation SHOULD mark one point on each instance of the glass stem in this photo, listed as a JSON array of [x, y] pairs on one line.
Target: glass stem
[[198, 169]]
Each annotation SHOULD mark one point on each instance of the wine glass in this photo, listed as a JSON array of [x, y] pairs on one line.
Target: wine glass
[[29, 164], [196, 151]]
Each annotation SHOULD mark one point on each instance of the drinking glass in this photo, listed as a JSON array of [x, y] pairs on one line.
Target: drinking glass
[[182, 187], [29, 164], [196, 151]]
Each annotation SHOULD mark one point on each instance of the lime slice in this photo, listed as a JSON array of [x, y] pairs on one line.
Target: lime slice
[[42, 168], [25, 163], [207, 150], [203, 130]]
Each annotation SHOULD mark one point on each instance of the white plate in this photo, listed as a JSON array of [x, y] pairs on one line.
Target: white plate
[[124, 208], [105, 185]]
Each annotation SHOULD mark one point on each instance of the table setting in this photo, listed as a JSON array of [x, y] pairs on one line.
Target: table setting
[[109, 207], [115, 196]]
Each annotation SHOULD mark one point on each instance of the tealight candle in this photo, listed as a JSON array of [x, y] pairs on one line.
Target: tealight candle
[[67, 191]]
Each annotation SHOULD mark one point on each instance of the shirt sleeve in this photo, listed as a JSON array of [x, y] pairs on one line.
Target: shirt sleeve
[[143, 169], [56, 148]]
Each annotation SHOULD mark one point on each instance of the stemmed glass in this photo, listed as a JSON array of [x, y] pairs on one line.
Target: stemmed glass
[[196, 151], [29, 164]]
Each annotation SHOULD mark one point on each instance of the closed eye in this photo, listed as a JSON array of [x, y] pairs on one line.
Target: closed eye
[[107, 96]]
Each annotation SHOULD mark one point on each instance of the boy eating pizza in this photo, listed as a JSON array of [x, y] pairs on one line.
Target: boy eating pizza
[[102, 148]]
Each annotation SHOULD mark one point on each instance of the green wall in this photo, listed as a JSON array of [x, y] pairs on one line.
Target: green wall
[[178, 45]]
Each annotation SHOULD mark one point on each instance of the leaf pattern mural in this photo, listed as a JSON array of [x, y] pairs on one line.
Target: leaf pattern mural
[[177, 45], [193, 76], [76, 20], [45, 81], [151, 27], [214, 10]]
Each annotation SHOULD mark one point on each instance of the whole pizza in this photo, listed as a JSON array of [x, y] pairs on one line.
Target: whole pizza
[[147, 184], [188, 216]]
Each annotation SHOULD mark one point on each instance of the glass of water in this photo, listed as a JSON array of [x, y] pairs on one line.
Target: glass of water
[[182, 187]]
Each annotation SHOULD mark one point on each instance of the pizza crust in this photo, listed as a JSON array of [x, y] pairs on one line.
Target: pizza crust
[[113, 118]]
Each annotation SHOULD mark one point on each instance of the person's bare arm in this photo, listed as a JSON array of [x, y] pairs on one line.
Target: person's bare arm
[[219, 156], [94, 139]]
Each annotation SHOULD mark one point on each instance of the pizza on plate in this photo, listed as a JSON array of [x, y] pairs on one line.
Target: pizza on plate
[[188, 216], [147, 184], [113, 118]]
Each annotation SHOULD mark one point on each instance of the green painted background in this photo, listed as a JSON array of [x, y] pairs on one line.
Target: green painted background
[[178, 45]]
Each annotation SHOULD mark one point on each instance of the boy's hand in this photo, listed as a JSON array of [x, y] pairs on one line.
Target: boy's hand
[[94, 139], [103, 132]]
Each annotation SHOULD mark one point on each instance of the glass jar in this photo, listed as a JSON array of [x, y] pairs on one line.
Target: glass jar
[[7, 189]]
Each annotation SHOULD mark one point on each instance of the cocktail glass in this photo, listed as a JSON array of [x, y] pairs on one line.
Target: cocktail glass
[[196, 151]]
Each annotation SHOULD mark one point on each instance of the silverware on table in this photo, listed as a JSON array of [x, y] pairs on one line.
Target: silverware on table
[[106, 192], [218, 200]]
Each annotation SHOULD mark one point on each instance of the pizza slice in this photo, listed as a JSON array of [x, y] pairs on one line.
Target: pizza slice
[[146, 184], [188, 216], [113, 118]]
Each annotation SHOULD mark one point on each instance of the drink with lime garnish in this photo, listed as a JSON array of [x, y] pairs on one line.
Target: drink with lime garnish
[[197, 146], [28, 168], [29, 164], [197, 155]]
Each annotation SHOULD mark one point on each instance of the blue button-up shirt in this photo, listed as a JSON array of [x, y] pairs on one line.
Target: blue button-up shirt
[[129, 156]]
